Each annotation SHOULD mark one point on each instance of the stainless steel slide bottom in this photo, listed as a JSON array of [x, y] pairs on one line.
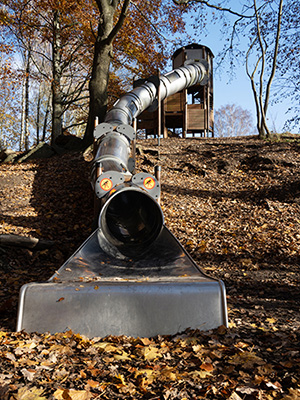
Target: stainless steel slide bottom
[[163, 292]]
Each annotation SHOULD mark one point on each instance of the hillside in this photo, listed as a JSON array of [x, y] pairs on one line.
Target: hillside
[[235, 206]]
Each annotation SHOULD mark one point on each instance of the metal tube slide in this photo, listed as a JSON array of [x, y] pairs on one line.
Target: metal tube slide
[[139, 99], [131, 218]]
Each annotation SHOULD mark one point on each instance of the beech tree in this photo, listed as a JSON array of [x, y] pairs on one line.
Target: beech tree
[[232, 120], [23, 73], [125, 28], [10, 107], [260, 42], [268, 28], [111, 19], [58, 33], [106, 42], [24, 138], [288, 82]]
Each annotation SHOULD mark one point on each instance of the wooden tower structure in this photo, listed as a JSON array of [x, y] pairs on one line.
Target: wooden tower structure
[[189, 112]]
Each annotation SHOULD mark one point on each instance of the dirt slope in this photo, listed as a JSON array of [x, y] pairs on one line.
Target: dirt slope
[[235, 206]]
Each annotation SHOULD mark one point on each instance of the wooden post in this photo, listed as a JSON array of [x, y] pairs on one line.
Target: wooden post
[[165, 129], [95, 141], [158, 112], [185, 114]]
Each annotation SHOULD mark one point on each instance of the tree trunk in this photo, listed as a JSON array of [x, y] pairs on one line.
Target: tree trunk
[[27, 101], [46, 119], [21, 143], [98, 89], [38, 110], [274, 59], [24, 139], [107, 32], [57, 110]]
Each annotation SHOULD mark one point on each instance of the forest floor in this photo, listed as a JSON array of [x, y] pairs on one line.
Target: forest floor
[[234, 204]]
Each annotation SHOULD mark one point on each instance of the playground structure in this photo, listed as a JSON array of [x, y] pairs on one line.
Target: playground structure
[[131, 276], [190, 111]]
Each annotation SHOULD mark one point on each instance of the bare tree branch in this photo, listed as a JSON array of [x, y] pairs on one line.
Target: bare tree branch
[[216, 7], [120, 21], [274, 58]]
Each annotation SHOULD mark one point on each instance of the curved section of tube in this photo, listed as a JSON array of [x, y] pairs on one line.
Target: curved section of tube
[[132, 104], [139, 99], [129, 222]]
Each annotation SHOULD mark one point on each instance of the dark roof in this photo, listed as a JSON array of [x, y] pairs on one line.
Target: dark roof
[[192, 46]]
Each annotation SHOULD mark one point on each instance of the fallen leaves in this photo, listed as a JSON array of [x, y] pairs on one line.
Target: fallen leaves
[[193, 364], [151, 353], [71, 394], [28, 374], [33, 393], [241, 225], [246, 360], [60, 299]]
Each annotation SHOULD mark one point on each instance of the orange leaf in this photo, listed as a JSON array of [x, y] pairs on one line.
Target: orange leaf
[[207, 367], [60, 299], [92, 383]]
